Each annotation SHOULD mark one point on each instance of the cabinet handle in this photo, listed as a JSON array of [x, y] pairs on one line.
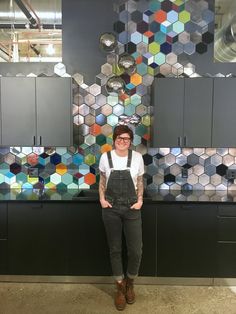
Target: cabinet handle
[[34, 140], [179, 141], [40, 140], [185, 140]]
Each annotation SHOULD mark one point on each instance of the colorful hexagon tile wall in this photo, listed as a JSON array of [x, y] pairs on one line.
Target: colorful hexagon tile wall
[[159, 34]]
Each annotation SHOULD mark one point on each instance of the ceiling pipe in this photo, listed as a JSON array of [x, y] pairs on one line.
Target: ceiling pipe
[[26, 12]]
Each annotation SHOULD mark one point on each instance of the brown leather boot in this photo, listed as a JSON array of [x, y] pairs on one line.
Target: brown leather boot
[[120, 300], [130, 295]]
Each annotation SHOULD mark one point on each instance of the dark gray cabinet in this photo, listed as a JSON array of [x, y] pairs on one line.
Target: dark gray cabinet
[[224, 113], [36, 111], [18, 111], [226, 241], [37, 238], [182, 112], [186, 240], [3, 238]]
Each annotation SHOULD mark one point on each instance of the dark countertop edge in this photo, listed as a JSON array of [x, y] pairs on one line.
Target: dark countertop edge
[[91, 196]]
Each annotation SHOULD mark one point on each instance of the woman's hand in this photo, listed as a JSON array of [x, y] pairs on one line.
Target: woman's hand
[[137, 205], [105, 203]]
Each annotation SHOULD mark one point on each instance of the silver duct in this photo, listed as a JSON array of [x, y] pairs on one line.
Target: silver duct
[[49, 12]]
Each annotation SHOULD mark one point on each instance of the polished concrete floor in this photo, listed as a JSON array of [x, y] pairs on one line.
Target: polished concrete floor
[[67, 298]]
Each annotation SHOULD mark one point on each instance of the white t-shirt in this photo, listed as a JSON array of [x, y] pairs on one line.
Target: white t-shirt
[[120, 163]]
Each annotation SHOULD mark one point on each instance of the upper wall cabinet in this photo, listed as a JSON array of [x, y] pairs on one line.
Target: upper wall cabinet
[[36, 111], [224, 113], [182, 112]]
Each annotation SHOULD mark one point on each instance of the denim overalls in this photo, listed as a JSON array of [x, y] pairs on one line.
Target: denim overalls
[[121, 194]]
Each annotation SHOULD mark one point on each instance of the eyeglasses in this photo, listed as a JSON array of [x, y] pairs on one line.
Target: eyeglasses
[[124, 139]]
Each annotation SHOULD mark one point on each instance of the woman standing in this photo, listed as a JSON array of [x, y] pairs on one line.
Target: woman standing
[[121, 198]]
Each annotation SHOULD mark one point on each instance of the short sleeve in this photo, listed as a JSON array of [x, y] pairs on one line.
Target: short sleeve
[[102, 163], [141, 165]]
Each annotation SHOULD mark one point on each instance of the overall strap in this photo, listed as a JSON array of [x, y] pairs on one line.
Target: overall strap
[[129, 158], [109, 159]]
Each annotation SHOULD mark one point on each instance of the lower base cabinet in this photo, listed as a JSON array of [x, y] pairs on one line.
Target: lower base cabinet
[[36, 238], [186, 240], [68, 238], [3, 257], [87, 248]]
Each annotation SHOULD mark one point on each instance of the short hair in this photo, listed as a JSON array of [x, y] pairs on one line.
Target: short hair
[[121, 129]]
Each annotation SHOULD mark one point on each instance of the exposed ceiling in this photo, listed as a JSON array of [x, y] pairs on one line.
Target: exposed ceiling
[[30, 30]]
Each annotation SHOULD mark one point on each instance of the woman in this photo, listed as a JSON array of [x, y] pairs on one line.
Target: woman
[[121, 198]]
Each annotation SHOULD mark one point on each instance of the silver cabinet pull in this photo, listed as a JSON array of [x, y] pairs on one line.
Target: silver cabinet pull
[[179, 141], [185, 140]]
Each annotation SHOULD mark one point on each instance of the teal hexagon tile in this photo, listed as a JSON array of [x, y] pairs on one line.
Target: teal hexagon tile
[[2, 178], [160, 58], [27, 185], [154, 5], [135, 100], [137, 140], [10, 178], [136, 37], [141, 68], [90, 139], [83, 185], [101, 139], [21, 178], [178, 27], [141, 130], [78, 159], [66, 159], [61, 150], [72, 186], [112, 100], [160, 37], [172, 16], [4, 168], [166, 27], [67, 178], [112, 120], [129, 110], [84, 169], [55, 178]]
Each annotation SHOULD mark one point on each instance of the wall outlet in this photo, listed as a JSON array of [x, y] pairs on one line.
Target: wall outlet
[[184, 173], [33, 172], [231, 174]]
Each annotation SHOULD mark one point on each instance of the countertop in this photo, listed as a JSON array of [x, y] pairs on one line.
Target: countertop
[[92, 195]]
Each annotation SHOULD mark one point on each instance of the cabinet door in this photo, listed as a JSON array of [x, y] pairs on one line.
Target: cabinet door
[[186, 240], [18, 111], [54, 111], [168, 100], [198, 112], [36, 238], [224, 113], [88, 253]]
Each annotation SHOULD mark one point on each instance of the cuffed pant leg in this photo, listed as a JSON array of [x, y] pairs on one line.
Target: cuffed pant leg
[[133, 236], [113, 226]]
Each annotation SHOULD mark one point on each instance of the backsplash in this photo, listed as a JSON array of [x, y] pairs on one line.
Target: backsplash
[[162, 36]]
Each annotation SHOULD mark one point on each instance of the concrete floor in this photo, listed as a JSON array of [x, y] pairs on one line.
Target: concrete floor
[[58, 298]]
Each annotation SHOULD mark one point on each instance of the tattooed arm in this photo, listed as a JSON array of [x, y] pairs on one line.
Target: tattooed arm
[[102, 189], [140, 189]]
